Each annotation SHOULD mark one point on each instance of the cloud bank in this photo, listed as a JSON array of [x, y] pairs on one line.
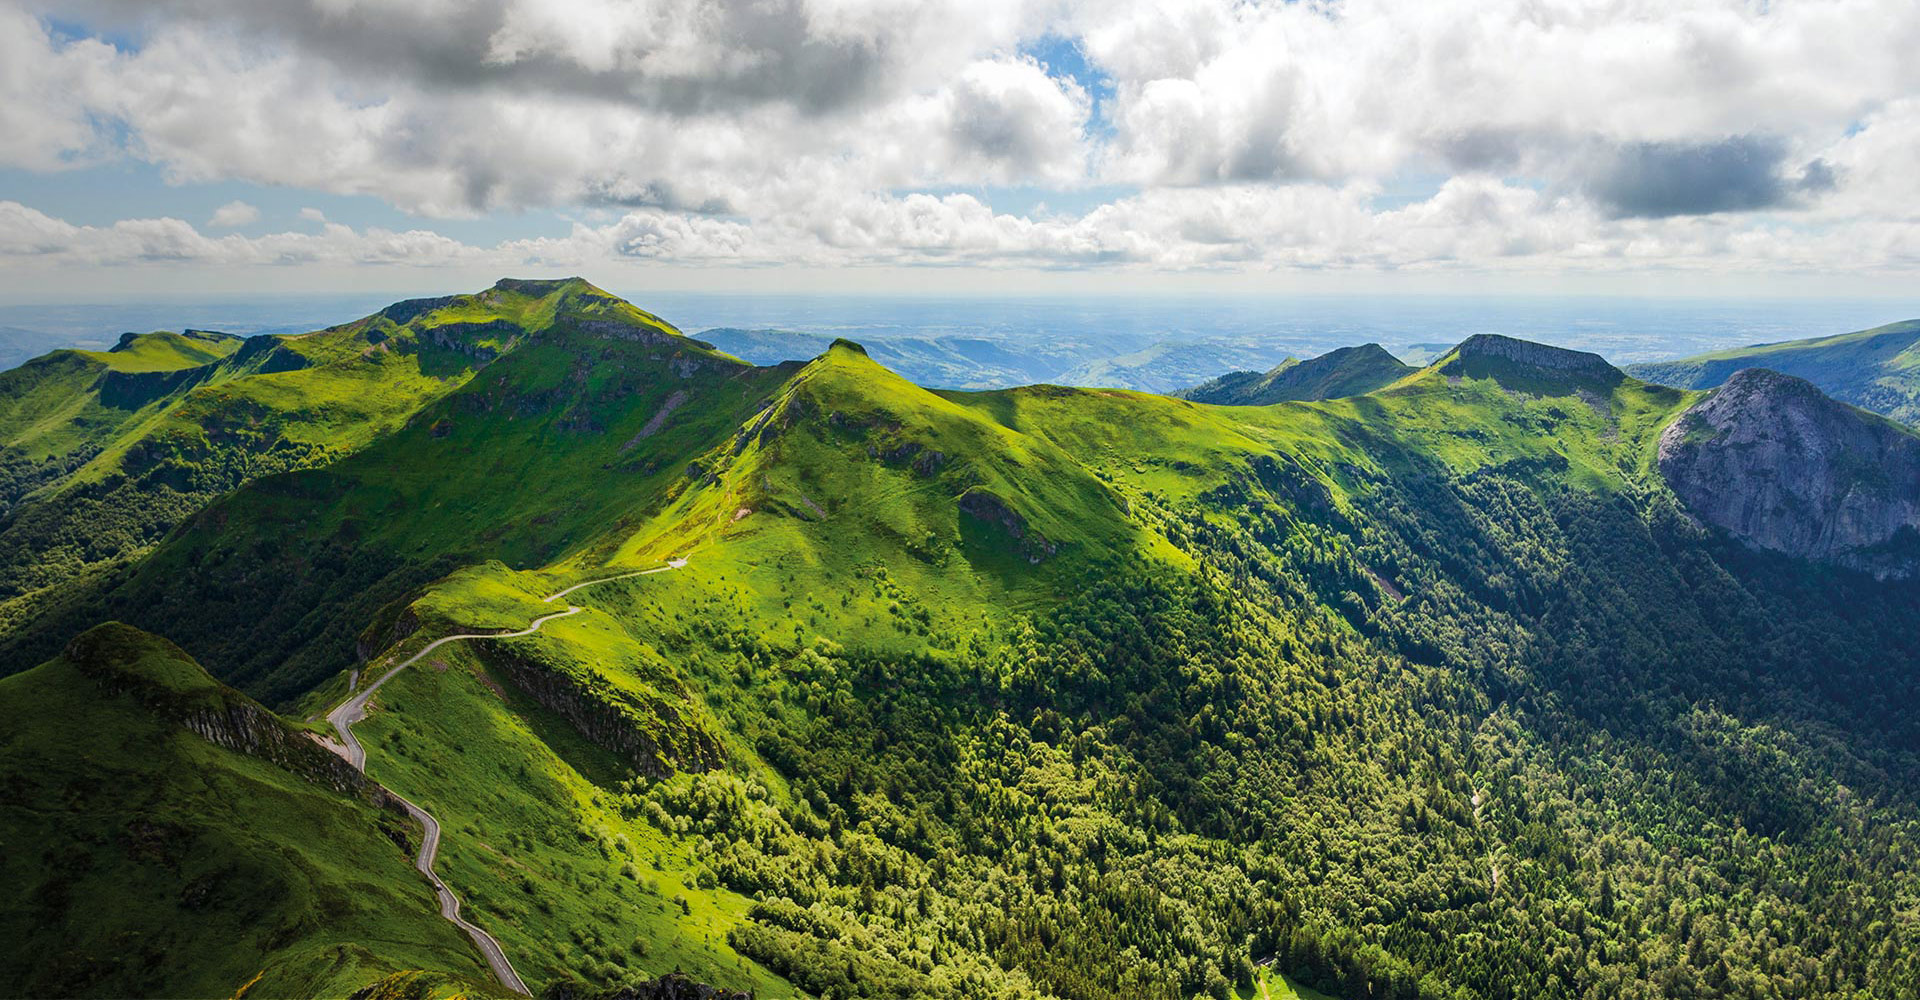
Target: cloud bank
[[1222, 134]]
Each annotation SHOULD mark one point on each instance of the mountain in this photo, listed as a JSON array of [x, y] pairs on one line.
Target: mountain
[[167, 836], [19, 345], [1348, 371], [805, 679], [1877, 369], [1771, 459], [103, 453]]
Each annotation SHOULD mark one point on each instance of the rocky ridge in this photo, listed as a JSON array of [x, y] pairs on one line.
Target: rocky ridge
[[1780, 465]]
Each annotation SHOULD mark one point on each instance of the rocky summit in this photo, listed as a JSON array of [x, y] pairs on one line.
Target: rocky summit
[[1776, 462]]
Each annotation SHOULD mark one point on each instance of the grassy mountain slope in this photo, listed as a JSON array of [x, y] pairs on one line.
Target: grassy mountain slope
[[583, 425], [1429, 692], [138, 445], [1349, 371], [1877, 369], [147, 859]]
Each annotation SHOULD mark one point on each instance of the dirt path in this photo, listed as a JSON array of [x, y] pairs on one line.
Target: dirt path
[[354, 709]]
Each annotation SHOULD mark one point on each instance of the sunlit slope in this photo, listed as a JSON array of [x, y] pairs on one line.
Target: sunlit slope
[[571, 433], [148, 855], [107, 451], [1877, 369], [1348, 371]]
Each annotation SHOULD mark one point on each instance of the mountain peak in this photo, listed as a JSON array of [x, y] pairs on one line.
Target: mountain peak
[[1347, 371], [1534, 355], [1780, 464], [1526, 366], [540, 288]]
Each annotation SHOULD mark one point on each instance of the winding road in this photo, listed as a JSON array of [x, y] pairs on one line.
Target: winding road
[[354, 709]]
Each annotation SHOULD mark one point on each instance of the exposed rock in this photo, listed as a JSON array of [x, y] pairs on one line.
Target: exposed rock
[[988, 506], [1777, 463], [133, 390], [621, 329], [411, 309], [654, 736], [655, 422], [163, 678], [1485, 355]]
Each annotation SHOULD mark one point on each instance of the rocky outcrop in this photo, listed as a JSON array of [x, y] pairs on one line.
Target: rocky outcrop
[[1491, 355], [1773, 460], [656, 737], [163, 678], [989, 507], [133, 390]]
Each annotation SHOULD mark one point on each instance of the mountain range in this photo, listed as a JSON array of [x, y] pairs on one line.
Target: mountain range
[[1508, 675], [1877, 369], [1346, 371]]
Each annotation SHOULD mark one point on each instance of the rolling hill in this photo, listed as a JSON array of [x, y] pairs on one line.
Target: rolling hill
[[1447, 689], [1877, 369], [1348, 371]]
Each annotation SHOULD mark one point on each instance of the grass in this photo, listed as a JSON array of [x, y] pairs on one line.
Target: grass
[[1271, 985], [1877, 369], [1349, 371], [164, 352], [147, 861], [536, 841]]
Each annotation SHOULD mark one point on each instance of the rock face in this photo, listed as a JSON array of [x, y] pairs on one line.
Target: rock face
[[1774, 461], [1493, 347], [162, 677]]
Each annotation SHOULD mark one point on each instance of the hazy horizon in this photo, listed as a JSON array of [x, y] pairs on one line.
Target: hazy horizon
[[1625, 330]]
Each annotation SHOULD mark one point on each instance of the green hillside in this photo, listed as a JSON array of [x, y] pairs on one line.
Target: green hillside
[[146, 859], [1434, 691], [1877, 369], [105, 453], [1349, 371]]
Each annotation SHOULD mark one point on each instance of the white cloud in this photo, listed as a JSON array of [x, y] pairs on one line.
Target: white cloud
[[1596, 133], [233, 215]]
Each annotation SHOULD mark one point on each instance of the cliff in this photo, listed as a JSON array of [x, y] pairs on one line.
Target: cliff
[[1777, 463]]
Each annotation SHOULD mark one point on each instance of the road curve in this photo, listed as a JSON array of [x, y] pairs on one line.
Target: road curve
[[354, 709], [673, 564]]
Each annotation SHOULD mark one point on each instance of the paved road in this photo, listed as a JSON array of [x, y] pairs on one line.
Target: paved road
[[354, 709], [675, 564], [450, 903]]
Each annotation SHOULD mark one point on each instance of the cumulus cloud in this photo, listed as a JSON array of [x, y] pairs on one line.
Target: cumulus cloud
[[233, 215], [1246, 134], [1739, 174]]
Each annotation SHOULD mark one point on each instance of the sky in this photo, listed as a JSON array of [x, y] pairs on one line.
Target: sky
[[1761, 148]]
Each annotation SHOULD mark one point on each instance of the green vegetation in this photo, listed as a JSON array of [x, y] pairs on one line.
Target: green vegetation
[[1349, 371], [1433, 691], [1877, 369], [145, 859]]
